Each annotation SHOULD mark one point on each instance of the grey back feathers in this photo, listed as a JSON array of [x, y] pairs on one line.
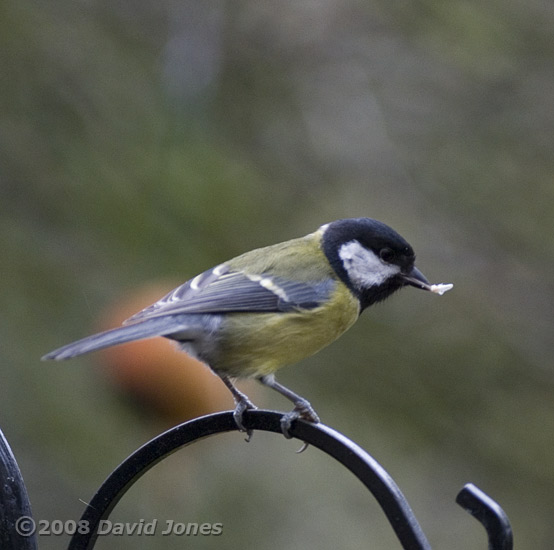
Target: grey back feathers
[[222, 291], [184, 314]]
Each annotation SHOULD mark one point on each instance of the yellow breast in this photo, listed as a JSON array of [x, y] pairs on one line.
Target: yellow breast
[[270, 341]]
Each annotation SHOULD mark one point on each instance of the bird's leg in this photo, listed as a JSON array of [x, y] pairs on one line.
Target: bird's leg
[[242, 403], [302, 408]]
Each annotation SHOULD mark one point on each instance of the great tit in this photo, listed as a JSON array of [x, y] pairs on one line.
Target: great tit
[[273, 306]]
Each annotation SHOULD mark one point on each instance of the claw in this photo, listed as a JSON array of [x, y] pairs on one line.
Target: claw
[[243, 405], [303, 410]]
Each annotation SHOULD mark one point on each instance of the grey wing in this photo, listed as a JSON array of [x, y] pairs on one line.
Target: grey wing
[[220, 290]]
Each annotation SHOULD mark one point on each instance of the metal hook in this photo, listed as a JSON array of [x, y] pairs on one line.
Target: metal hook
[[490, 514], [342, 449]]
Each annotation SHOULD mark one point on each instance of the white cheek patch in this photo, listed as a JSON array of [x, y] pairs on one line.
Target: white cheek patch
[[364, 268]]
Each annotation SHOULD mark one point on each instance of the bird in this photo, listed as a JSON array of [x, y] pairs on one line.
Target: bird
[[274, 306]]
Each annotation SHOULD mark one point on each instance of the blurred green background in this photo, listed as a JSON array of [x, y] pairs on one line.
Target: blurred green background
[[146, 139]]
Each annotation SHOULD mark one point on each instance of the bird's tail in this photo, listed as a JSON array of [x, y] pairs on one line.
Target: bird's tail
[[158, 326]]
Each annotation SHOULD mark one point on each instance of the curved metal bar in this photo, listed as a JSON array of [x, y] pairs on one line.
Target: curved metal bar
[[353, 457], [16, 524], [490, 514]]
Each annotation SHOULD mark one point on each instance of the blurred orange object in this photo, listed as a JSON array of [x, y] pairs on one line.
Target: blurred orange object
[[156, 372]]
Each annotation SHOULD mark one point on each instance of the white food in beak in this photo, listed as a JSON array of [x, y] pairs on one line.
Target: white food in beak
[[441, 288]]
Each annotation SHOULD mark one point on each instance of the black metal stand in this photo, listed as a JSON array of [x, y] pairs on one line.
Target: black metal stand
[[14, 502], [350, 455]]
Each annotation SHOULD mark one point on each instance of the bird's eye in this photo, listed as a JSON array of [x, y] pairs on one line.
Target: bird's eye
[[387, 255]]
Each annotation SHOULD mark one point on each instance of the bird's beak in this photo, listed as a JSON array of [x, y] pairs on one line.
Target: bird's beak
[[417, 279]]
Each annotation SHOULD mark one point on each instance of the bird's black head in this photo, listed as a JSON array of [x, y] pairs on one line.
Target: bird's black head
[[370, 258]]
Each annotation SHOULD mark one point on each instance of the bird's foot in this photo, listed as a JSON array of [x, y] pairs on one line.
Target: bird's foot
[[303, 410], [242, 405]]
